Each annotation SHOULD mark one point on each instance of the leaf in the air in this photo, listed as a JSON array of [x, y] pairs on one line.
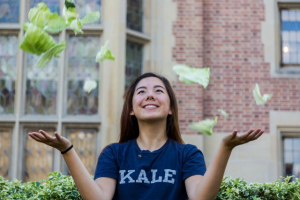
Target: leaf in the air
[[90, 17], [223, 113], [36, 41], [42, 17], [56, 25], [89, 85], [192, 75], [259, 99], [205, 126], [70, 14], [70, 4], [48, 55], [76, 26], [104, 53]]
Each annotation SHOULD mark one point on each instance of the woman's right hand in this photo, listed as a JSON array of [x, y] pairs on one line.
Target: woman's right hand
[[57, 141]]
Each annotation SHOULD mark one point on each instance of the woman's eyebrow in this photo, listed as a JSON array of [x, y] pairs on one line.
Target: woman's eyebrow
[[144, 87]]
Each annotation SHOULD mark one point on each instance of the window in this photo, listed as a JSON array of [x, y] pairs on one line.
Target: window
[[135, 15], [9, 11], [49, 98], [291, 156], [84, 144], [5, 151], [290, 37], [134, 61], [37, 157]]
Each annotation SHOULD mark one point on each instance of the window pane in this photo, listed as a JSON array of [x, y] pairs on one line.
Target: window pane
[[8, 72], [292, 156], [38, 157], [135, 15], [84, 144], [53, 5], [134, 61], [85, 6], [41, 86], [81, 66], [9, 11], [290, 29], [5, 152]]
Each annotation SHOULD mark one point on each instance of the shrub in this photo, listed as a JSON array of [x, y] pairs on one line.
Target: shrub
[[62, 187]]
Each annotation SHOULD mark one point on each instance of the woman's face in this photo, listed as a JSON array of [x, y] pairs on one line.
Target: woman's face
[[151, 100]]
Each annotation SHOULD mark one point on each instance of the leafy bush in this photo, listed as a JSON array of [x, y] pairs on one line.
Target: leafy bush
[[237, 189], [59, 186]]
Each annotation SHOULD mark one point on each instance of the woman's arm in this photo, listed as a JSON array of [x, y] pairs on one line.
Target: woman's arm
[[206, 187], [102, 188]]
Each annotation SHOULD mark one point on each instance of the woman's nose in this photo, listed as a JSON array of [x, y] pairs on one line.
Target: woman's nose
[[150, 97]]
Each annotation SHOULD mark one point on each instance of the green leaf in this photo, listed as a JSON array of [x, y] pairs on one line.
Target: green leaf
[[76, 26], [70, 14], [205, 126], [56, 25], [42, 17], [192, 75], [90, 17], [47, 56], [89, 85], [223, 112], [259, 99], [70, 4], [104, 53], [36, 41]]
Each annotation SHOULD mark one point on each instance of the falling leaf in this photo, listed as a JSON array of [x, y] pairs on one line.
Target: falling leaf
[[192, 75], [89, 85], [205, 126], [104, 53], [223, 113], [259, 99]]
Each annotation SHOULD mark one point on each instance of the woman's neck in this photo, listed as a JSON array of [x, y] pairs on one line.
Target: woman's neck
[[152, 136]]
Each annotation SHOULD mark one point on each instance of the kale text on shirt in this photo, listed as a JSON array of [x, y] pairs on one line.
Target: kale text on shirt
[[169, 173]]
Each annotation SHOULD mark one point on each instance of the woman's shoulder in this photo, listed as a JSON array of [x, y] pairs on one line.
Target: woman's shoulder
[[185, 149]]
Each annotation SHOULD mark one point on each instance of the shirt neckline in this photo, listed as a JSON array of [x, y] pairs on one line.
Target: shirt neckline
[[150, 152]]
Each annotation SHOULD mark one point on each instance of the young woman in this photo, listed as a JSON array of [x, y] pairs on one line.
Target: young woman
[[151, 160]]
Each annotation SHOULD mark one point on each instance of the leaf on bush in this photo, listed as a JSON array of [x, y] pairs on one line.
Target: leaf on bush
[[205, 126], [259, 99], [104, 53], [192, 75]]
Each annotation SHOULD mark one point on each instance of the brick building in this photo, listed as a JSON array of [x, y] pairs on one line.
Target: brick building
[[243, 42]]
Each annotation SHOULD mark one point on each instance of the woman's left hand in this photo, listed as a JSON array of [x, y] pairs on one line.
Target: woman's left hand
[[234, 140]]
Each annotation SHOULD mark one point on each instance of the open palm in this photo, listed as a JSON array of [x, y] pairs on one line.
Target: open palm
[[57, 141], [234, 139]]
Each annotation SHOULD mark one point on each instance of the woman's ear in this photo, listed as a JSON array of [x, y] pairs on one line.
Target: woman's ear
[[131, 113], [170, 112]]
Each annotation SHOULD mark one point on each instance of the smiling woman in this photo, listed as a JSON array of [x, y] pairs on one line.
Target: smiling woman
[[150, 161]]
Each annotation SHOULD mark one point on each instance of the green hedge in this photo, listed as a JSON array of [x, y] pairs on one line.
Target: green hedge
[[59, 186]]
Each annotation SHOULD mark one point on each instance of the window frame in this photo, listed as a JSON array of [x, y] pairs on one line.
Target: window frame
[[286, 6]]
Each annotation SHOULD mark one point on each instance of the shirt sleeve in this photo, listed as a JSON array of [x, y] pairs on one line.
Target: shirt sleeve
[[107, 164], [193, 162]]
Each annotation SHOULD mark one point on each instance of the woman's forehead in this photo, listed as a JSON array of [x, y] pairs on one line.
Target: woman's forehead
[[150, 82]]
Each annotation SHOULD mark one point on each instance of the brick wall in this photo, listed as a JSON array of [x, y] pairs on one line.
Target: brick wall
[[188, 31], [226, 36]]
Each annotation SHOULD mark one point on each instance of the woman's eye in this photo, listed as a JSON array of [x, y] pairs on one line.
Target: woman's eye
[[141, 91], [159, 91]]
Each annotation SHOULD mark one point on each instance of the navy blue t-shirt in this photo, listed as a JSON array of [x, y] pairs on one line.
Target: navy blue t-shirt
[[142, 174]]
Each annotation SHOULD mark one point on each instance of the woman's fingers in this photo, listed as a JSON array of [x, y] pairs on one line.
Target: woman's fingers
[[33, 136]]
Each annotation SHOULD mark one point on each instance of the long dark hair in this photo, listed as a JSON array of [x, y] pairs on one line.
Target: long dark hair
[[129, 125]]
